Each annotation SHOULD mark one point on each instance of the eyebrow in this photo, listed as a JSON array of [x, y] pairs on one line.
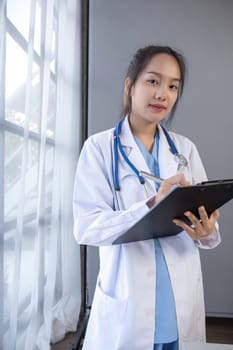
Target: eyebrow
[[160, 75]]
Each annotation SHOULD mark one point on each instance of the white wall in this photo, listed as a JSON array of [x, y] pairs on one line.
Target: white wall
[[202, 30]]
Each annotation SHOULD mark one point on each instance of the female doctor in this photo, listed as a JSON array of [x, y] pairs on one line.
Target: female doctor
[[149, 294]]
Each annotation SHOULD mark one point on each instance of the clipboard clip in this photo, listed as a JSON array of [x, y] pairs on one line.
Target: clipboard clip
[[213, 182]]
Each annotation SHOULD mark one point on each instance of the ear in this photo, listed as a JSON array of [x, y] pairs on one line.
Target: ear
[[126, 88]]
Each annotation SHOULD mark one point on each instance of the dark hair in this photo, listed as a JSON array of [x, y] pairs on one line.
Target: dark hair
[[140, 60]]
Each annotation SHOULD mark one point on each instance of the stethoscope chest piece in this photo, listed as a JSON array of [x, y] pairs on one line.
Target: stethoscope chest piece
[[181, 160]]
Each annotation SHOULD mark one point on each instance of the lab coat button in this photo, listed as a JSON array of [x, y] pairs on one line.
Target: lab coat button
[[149, 312], [150, 273]]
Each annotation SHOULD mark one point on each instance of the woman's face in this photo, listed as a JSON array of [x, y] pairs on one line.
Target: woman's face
[[156, 90]]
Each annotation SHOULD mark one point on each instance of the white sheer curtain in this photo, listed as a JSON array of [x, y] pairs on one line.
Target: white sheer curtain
[[40, 117]]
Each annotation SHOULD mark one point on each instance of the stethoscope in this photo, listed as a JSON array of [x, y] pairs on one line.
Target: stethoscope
[[179, 158]]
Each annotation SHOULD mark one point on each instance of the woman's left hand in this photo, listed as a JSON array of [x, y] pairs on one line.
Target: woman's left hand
[[201, 228]]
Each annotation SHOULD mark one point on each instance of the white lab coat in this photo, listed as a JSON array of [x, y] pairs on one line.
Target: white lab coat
[[123, 309]]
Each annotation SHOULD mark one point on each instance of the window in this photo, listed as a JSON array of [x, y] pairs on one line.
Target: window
[[39, 149]]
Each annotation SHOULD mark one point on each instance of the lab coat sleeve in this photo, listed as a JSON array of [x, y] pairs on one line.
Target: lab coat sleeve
[[95, 220], [212, 241], [199, 175]]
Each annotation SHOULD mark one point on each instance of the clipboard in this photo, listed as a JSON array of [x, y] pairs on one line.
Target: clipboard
[[157, 223]]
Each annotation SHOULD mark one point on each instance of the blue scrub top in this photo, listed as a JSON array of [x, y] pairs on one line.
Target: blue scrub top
[[165, 310]]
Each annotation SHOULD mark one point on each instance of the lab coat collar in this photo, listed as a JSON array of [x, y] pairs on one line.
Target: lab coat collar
[[167, 162], [127, 138], [133, 153], [131, 147]]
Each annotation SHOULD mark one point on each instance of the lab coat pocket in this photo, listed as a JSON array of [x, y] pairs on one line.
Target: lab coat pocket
[[107, 319], [112, 309]]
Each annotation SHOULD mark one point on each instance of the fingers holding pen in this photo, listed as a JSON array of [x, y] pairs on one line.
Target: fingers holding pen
[[168, 184]]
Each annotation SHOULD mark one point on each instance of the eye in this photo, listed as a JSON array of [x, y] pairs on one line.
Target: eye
[[174, 87], [152, 81]]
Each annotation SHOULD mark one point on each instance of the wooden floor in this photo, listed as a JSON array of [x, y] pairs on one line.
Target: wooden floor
[[66, 344], [218, 330]]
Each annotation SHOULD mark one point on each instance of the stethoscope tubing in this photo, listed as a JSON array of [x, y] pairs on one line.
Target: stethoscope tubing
[[182, 161]]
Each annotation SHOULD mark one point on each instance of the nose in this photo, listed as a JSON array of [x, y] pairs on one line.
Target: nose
[[160, 93]]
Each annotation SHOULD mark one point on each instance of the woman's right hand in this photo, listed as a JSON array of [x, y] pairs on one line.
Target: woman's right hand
[[166, 186]]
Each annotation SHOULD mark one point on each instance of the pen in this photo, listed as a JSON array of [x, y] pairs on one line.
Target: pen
[[151, 177]]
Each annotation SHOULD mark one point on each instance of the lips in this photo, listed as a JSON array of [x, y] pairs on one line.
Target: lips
[[157, 106]]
